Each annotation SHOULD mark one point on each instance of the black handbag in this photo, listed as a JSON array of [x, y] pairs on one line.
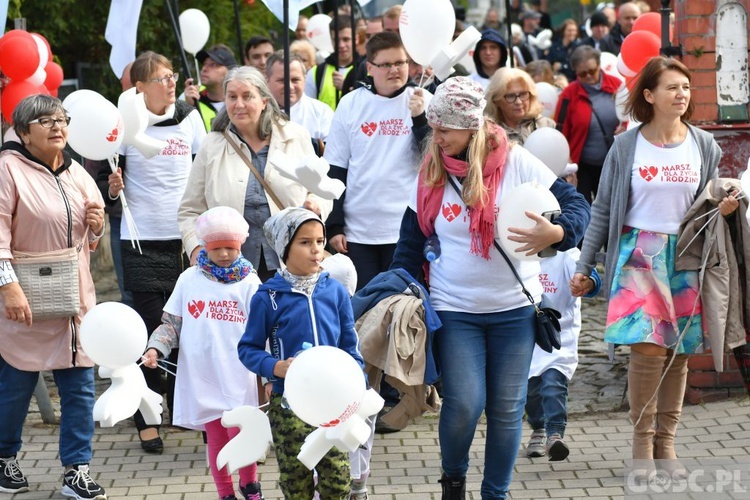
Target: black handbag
[[547, 319]]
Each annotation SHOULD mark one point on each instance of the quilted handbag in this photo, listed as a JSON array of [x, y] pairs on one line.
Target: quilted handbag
[[50, 282]]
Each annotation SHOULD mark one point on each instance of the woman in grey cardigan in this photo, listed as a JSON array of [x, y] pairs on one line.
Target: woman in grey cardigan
[[650, 179]]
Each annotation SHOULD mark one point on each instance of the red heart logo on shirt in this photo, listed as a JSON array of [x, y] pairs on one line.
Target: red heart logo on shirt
[[195, 308], [369, 128], [450, 212], [648, 173]]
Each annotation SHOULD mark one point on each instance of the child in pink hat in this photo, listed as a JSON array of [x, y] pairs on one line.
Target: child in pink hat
[[205, 317]]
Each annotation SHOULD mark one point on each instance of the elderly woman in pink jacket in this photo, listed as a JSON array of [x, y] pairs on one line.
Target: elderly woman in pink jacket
[[47, 202]]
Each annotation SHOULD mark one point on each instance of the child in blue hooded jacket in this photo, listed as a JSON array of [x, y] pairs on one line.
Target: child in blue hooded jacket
[[299, 304]]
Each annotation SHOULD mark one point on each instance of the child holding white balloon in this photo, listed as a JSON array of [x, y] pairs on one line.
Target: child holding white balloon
[[299, 305], [205, 317]]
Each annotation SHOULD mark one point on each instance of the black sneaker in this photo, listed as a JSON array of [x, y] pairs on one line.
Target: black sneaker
[[454, 488], [12, 479], [251, 491], [77, 483]]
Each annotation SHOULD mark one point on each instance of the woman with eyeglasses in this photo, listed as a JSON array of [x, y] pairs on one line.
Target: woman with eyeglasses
[[512, 102], [48, 202], [154, 188], [586, 117]]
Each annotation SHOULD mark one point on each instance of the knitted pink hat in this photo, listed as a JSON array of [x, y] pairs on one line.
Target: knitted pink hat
[[221, 227]]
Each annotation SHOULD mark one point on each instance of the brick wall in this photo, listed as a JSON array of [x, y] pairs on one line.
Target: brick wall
[[704, 384]]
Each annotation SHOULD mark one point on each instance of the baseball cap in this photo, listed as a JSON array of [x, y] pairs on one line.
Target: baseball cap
[[219, 53]]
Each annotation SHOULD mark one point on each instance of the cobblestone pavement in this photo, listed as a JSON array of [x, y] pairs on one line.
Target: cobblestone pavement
[[406, 465]]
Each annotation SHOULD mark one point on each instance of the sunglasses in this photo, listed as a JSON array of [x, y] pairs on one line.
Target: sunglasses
[[590, 72]]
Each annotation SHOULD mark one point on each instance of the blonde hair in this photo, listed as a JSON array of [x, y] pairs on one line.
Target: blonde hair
[[473, 192], [498, 87]]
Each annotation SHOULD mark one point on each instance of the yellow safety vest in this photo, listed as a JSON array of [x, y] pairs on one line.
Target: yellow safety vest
[[326, 90]]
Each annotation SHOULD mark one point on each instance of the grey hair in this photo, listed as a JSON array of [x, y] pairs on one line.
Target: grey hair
[[252, 77], [584, 53], [33, 107]]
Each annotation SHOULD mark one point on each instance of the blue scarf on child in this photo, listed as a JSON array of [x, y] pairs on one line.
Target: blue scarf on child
[[239, 269]]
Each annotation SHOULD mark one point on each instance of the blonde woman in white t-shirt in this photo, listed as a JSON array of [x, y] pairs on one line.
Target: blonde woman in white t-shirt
[[485, 345], [650, 178]]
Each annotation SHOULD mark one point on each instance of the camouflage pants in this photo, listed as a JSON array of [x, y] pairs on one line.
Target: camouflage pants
[[296, 480]]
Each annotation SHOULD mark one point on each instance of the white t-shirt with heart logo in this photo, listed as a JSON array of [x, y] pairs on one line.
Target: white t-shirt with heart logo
[[464, 282], [371, 137], [663, 185], [211, 378]]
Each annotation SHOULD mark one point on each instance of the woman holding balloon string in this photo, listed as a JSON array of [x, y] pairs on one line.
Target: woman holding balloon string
[[586, 116], [48, 202], [154, 188], [512, 101], [486, 343], [653, 308]]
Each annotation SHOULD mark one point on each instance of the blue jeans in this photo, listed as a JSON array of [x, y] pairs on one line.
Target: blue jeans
[[485, 361], [547, 402], [114, 239], [77, 396]]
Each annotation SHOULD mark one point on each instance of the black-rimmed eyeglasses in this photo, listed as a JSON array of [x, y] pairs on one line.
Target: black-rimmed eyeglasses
[[47, 122], [511, 98], [388, 66]]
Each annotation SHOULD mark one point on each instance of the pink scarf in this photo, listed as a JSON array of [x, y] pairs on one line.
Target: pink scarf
[[482, 217]]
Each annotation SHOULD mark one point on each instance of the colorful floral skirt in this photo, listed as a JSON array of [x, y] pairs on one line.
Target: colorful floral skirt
[[650, 301]]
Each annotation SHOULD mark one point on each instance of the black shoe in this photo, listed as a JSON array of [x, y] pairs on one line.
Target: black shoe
[[78, 484], [382, 427], [251, 491], [12, 479], [454, 488], [155, 445]]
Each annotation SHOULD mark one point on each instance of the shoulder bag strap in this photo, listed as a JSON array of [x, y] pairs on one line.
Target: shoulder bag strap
[[609, 139], [500, 249], [266, 186]]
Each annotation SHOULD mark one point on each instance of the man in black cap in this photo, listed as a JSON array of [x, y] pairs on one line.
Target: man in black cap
[[530, 24], [209, 96], [599, 25]]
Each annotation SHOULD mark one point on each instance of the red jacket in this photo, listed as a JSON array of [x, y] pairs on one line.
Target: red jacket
[[573, 113]]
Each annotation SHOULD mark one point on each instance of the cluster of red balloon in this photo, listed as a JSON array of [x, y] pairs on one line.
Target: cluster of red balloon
[[643, 43], [26, 59]]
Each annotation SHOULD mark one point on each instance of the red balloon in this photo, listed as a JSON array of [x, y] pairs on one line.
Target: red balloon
[[12, 34], [651, 22], [638, 47], [41, 89], [19, 57], [49, 49], [54, 75], [15, 92]]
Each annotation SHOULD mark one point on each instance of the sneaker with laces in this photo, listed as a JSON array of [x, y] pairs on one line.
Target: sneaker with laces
[[251, 491], [556, 448], [12, 479], [535, 447], [454, 488], [77, 483]]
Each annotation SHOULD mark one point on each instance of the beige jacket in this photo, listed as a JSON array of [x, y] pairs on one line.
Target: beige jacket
[[34, 217], [724, 307], [392, 338], [219, 178]]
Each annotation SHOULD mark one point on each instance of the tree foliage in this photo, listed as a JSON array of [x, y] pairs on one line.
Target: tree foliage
[[75, 31]]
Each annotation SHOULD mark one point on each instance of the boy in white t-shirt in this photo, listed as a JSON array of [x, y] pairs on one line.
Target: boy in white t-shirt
[[373, 147], [205, 317]]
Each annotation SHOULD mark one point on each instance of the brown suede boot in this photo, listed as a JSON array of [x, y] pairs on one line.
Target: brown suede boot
[[668, 411], [644, 373]]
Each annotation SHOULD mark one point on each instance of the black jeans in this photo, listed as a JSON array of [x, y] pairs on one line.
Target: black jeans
[[150, 306], [588, 179], [370, 260]]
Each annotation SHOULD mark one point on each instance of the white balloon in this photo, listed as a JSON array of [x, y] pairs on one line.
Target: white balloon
[[549, 145], [43, 52], [38, 77], [194, 29], [324, 386], [426, 27], [132, 106], [96, 129], [621, 97], [528, 197], [608, 62], [113, 334], [319, 32], [547, 96], [623, 69]]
